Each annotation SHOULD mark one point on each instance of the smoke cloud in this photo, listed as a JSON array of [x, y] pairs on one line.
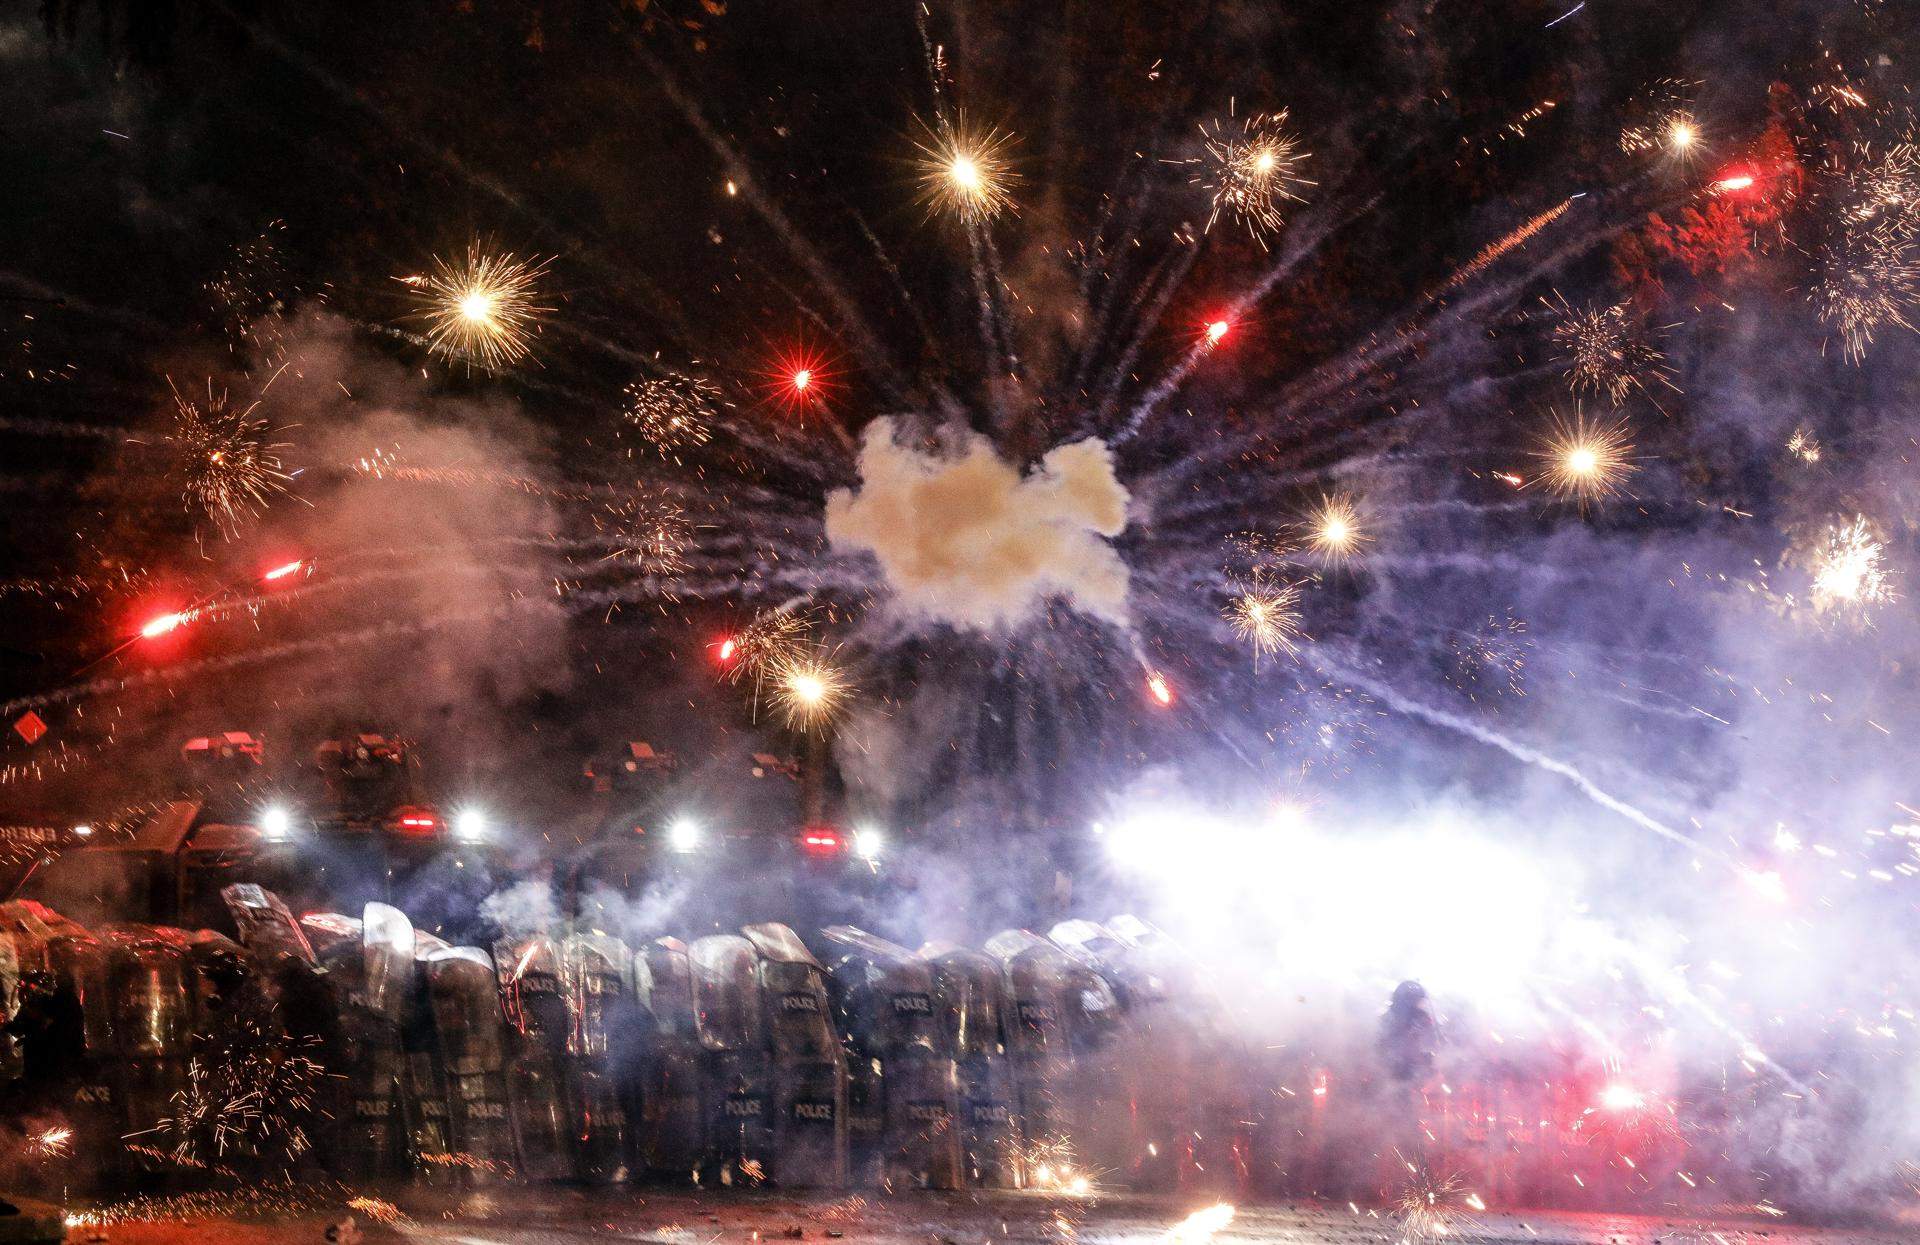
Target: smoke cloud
[[963, 537]]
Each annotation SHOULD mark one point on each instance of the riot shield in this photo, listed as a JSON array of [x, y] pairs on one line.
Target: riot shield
[[887, 1000], [736, 1064], [969, 997], [150, 993], [530, 993], [368, 1138], [266, 927], [472, 1035], [79, 1004], [1037, 977], [10, 1062], [810, 1069], [670, 1092], [596, 967]]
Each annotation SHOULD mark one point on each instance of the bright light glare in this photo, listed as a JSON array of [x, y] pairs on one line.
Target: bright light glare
[[867, 841], [470, 825], [276, 822], [684, 835], [1622, 1098], [83, 831]]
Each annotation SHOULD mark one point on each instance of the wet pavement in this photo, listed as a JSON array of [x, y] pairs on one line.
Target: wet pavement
[[517, 1215]]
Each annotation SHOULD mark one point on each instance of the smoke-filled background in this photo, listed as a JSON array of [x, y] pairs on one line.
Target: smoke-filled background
[[1422, 491]]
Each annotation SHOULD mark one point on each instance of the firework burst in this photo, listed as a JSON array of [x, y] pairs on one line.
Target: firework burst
[[1586, 461], [1665, 122], [1493, 659], [1804, 445], [1849, 569], [481, 309], [809, 690], [674, 411], [229, 463], [1869, 281], [647, 530], [51, 1143], [1334, 531], [966, 173], [774, 640], [1607, 351], [1251, 173], [1433, 1207], [1266, 616]]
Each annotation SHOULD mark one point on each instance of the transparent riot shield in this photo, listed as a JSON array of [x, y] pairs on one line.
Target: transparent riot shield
[[670, 1093], [596, 967], [810, 1071], [473, 1053], [536, 1010], [886, 1001], [737, 1066], [150, 994], [267, 928], [1037, 979], [368, 1139], [969, 992]]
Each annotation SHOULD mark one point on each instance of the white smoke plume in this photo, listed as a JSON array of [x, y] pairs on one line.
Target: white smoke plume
[[965, 538]]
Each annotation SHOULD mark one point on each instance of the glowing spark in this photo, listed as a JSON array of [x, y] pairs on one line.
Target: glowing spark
[[1732, 183], [1803, 445], [281, 572], [481, 309], [810, 691], [1250, 174], [966, 173], [1682, 133], [1333, 529], [165, 623], [1586, 461], [726, 649], [1158, 687], [1849, 570], [53, 1142], [1201, 1226], [1267, 617], [1217, 332], [230, 465], [801, 379]]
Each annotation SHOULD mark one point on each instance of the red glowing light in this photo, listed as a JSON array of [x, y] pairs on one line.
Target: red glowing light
[[1732, 183], [821, 841], [726, 649], [1157, 685], [281, 572], [801, 379], [165, 623], [1217, 332]]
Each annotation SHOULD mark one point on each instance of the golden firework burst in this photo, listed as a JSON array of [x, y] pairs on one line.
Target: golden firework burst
[[966, 172], [1266, 616], [810, 691], [480, 309], [1586, 461], [1251, 173], [1334, 530]]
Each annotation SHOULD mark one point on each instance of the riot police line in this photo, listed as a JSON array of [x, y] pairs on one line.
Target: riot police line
[[736, 1059]]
